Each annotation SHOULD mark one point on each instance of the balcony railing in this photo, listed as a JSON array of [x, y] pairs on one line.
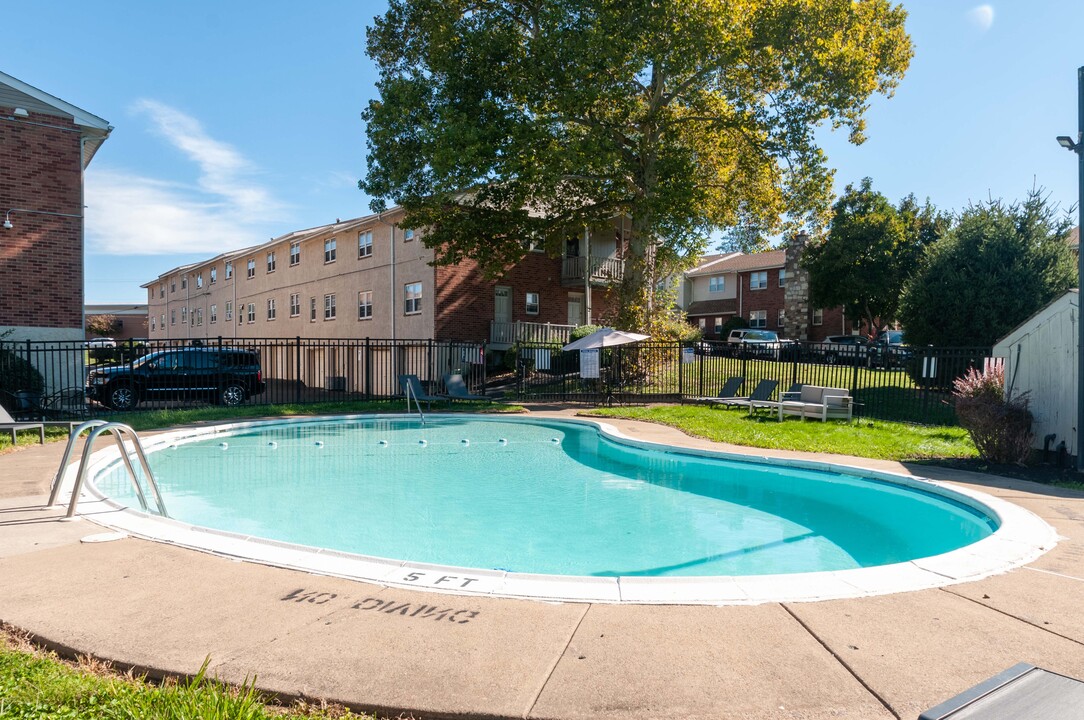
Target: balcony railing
[[508, 333], [603, 270]]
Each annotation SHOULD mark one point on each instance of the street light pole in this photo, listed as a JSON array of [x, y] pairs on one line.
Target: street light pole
[[1077, 146]]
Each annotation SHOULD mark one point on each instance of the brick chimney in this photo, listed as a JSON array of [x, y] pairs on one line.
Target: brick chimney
[[796, 294]]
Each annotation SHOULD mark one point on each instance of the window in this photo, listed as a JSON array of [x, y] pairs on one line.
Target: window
[[413, 298], [229, 270], [329, 250], [172, 317], [184, 315], [152, 325], [229, 311], [295, 254], [818, 316], [329, 307], [198, 316], [758, 318], [295, 305], [365, 243], [214, 275], [270, 308], [703, 322], [781, 319], [173, 286], [214, 314], [408, 235], [251, 268], [758, 280], [162, 321], [782, 278], [271, 262], [199, 280], [252, 312], [532, 303], [718, 327], [184, 282], [717, 283], [365, 305], [162, 290]]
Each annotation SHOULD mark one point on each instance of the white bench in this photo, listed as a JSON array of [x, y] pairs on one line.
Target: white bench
[[819, 402]]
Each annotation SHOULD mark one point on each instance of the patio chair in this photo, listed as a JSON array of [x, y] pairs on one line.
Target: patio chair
[[730, 390], [412, 386], [761, 393], [8, 423], [793, 393], [458, 390]]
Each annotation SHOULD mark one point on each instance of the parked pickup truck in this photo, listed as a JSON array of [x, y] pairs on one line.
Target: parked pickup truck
[[760, 343]]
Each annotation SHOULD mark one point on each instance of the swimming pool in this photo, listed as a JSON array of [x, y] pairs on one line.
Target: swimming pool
[[523, 499]]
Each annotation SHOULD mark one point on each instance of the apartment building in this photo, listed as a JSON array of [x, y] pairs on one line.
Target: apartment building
[[371, 277], [765, 290], [45, 146]]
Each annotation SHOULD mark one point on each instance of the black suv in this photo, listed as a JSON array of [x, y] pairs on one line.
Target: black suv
[[226, 376]]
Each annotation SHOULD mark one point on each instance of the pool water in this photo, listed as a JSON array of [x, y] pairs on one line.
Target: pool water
[[542, 497]]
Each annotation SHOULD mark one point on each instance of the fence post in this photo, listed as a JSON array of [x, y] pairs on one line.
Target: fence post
[[429, 360], [794, 364], [297, 370], [681, 372], [702, 359], [368, 371]]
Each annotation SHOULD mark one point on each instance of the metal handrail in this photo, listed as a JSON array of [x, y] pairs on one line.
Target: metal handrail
[[117, 430], [409, 388], [73, 436]]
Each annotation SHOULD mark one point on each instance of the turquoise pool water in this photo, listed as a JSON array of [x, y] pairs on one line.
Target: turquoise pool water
[[542, 497]]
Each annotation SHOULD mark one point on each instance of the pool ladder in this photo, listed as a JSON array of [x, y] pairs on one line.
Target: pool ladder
[[417, 405], [99, 427]]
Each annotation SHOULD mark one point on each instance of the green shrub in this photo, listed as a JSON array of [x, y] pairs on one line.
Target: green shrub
[[17, 374]]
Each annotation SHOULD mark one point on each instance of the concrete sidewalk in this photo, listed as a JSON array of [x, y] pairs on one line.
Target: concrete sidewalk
[[163, 609]]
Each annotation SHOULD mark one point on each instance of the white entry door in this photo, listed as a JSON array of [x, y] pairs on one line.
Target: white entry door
[[502, 304], [575, 308]]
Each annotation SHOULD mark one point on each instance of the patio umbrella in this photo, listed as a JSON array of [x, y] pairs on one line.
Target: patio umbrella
[[606, 337]]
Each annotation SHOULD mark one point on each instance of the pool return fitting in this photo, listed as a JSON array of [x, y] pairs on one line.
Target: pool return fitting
[[117, 430]]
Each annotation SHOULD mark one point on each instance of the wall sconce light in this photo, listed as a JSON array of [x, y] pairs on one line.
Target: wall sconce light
[[7, 221]]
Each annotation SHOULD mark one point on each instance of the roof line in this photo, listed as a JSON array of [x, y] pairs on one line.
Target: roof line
[[81, 116]]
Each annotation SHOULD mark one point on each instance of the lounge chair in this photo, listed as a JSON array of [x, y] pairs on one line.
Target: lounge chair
[[730, 390], [793, 393], [412, 386], [761, 393], [458, 390], [8, 423]]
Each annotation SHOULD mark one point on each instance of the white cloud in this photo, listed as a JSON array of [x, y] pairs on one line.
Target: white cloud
[[131, 214], [981, 16]]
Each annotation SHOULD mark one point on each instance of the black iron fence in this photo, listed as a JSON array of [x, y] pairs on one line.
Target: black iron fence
[[906, 384], [59, 380]]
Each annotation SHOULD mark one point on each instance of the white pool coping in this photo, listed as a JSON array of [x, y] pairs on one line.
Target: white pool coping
[[1021, 538]]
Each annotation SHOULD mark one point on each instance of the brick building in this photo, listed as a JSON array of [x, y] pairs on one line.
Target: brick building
[[765, 290], [370, 277], [45, 146]]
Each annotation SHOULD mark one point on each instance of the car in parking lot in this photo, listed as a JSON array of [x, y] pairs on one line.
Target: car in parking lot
[[843, 350], [227, 376], [760, 343], [102, 342], [889, 350]]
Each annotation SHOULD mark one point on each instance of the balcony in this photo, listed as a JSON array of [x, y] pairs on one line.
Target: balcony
[[603, 270], [503, 335]]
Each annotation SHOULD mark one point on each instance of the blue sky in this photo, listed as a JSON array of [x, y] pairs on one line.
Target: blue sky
[[239, 121]]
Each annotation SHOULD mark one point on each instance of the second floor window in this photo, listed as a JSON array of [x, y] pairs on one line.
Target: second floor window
[[184, 282], [229, 311], [173, 286], [329, 250], [251, 268], [312, 309], [252, 312], [229, 270], [532, 303], [365, 305], [758, 280], [295, 254], [270, 308], [198, 313], [172, 317], [214, 314], [818, 316], [412, 298], [214, 275], [295, 305], [162, 290], [199, 280], [329, 307], [717, 283], [408, 235], [184, 315], [365, 243], [162, 321], [782, 278], [270, 262]]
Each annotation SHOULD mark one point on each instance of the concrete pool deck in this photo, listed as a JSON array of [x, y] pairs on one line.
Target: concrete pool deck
[[165, 609]]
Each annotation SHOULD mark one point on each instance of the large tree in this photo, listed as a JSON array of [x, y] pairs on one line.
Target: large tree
[[1001, 263], [501, 122], [870, 250]]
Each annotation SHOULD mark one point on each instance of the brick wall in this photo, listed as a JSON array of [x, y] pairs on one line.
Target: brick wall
[[41, 257], [770, 299]]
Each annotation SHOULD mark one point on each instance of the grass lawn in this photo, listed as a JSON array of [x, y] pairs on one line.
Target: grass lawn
[[864, 438], [35, 684]]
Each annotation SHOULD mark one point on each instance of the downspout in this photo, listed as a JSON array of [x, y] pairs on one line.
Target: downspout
[[82, 238]]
